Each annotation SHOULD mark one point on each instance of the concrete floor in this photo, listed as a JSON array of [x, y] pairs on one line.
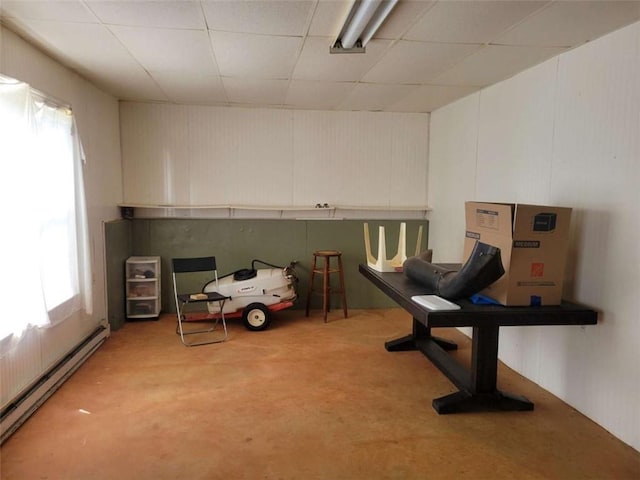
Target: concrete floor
[[301, 400]]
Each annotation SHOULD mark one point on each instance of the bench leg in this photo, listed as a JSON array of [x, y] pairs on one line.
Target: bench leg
[[462, 401], [407, 342]]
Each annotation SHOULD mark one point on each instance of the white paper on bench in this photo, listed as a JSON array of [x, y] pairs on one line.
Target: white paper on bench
[[434, 302]]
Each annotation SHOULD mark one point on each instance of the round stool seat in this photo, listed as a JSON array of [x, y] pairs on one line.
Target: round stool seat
[[326, 272], [327, 253]]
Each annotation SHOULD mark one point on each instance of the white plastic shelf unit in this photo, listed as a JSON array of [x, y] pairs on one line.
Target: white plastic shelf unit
[[143, 287]]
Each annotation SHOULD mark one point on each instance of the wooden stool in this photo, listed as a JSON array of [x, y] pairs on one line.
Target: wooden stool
[[326, 271]]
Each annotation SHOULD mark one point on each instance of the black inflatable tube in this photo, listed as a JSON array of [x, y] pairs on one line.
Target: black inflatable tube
[[483, 267]]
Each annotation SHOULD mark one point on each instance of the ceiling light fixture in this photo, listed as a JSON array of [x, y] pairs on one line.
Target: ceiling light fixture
[[365, 17]]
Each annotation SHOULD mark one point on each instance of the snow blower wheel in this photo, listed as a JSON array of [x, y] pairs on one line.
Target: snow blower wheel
[[256, 316]]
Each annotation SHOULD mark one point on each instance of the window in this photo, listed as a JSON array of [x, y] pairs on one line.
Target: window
[[46, 275]]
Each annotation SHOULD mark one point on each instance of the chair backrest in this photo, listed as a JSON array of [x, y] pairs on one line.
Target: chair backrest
[[200, 264], [192, 265]]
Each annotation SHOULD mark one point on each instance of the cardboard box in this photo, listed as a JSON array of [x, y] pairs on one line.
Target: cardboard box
[[533, 243]]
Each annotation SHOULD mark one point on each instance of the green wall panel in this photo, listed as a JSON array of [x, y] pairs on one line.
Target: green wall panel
[[118, 247], [236, 242]]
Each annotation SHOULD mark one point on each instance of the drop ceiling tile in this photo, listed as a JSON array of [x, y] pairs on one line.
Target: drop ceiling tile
[[402, 17], [570, 23], [260, 56], [256, 92], [67, 11], [193, 88], [168, 49], [417, 62], [95, 53], [471, 21], [86, 45], [316, 63], [494, 63], [166, 13], [127, 83], [428, 98], [375, 97], [261, 17], [328, 18], [77, 33], [317, 95]]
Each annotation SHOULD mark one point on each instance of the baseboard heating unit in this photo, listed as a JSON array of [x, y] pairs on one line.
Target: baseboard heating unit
[[23, 406]]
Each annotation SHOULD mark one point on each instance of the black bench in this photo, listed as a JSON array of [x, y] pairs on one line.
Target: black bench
[[477, 385]]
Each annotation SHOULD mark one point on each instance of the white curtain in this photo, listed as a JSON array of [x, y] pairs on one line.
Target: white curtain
[[45, 277]]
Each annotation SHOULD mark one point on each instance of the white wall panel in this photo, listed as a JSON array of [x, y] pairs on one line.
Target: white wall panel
[[452, 175], [238, 156], [597, 168], [563, 133], [187, 155], [262, 140], [360, 158], [155, 147], [214, 161], [347, 158], [97, 119], [319, 141], [322, 149], [515, 137], [363, 170], [409, 150]]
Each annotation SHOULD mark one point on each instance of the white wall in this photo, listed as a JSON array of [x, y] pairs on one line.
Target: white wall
[[563, 133], [97, 119], [190, 155]]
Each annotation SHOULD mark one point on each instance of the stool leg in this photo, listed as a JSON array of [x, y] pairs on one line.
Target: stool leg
[[342, 288], [313, 272], [325, 289]]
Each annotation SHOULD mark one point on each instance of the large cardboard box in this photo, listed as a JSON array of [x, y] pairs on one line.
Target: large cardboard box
[[533, 243]]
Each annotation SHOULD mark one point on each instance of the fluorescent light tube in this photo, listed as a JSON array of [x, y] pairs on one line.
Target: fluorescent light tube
[[363, 21]]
